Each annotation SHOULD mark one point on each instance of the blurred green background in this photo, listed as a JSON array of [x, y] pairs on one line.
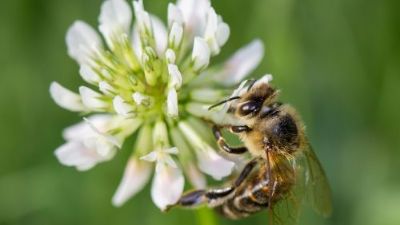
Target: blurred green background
[[337, 61]]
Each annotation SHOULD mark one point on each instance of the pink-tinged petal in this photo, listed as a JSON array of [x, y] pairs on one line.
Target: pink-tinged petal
[[66, 98], [167, 186], [242, 63], [135, 177]]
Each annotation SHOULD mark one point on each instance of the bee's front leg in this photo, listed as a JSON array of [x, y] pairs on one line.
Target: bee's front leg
[[221, 140]]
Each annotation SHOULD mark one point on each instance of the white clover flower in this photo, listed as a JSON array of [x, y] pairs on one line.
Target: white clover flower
[[153, 79]]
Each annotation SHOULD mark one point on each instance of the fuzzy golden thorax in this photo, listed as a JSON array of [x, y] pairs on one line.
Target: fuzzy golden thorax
[[274, 126]]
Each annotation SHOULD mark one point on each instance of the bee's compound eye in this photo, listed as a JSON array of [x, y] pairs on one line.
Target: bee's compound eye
[[249, 107]]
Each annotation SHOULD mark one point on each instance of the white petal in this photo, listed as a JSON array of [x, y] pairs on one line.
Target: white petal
[[162, 158], [126, 125], [82, 41], [106, 88], [66, 98], [82, 130], [78, 155], [102, 145], [200, 54], [172, 150], [175, 76], [196, 177], [264, 79], [209, 161], [121, 106], [218, 117], [115, 19], [167, 187], [242, 63], [222, 33], [137, 43], [160, 34], [135, 177], [142, 17], [169, 161], [207, 95], [151, 157], [175, 35], [212, 22], [170, 56], [160, 133], [194, 15], [89, 75], [92, 99], [213, 164], [140, 98], [191, 136], [172, 103], [174, 15], [103, 137]]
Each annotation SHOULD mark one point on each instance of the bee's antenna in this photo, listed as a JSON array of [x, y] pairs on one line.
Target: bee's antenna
[[223, 101]]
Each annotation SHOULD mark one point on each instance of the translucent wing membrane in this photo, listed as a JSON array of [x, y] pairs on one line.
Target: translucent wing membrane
[[298, 177], [317, 187], [286, 211]]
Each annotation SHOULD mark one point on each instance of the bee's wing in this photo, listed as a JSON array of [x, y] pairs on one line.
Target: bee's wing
[[316, 184], [286, 211]]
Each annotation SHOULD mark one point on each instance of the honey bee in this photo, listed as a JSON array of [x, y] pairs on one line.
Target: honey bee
[[284, 169]]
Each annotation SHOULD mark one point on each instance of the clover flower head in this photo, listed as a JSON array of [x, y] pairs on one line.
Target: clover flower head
[[153, 79]]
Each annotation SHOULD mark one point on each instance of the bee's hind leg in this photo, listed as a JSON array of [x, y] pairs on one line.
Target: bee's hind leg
[[214, 197], [211, 197]]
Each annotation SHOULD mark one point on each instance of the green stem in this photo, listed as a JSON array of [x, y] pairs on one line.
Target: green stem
[[205, 216]]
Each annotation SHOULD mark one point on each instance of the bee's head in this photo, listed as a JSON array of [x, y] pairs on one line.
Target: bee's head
[[250, 100]]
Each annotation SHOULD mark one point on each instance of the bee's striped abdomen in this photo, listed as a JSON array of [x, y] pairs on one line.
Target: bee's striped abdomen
[[247, 200]]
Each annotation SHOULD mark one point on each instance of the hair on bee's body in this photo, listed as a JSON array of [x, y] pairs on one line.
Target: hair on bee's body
[[273, 125], [274, 135]]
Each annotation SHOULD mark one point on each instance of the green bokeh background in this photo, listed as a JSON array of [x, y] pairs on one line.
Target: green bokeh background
[[337, 61]]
